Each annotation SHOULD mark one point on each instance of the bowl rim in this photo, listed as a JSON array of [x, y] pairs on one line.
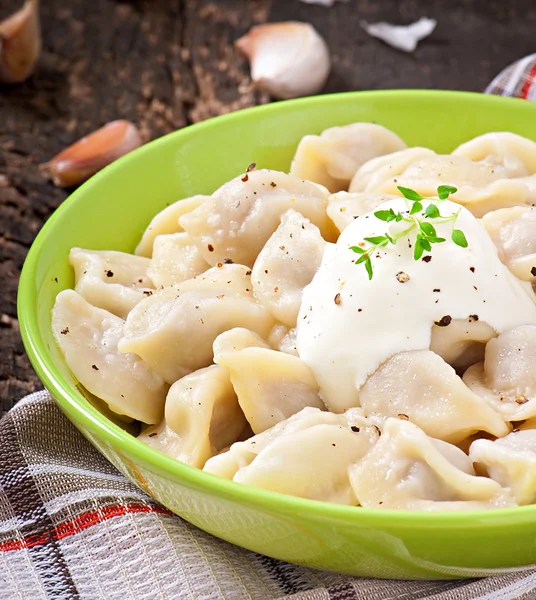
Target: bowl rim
[[86, 416]]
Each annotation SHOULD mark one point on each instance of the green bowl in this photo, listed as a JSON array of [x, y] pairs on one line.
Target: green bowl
[[111, 211]]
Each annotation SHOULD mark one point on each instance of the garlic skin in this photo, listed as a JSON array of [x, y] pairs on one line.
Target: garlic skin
[[92, 153], [287, 59], [20, 43]]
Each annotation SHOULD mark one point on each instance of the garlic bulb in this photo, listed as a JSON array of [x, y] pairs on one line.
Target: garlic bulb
[[85, 157], [20, 43], [287, 59]]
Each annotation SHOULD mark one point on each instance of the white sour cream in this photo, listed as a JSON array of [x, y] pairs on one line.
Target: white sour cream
[[345, 338]]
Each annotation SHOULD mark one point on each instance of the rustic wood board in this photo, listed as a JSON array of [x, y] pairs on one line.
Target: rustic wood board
[[167, 63]]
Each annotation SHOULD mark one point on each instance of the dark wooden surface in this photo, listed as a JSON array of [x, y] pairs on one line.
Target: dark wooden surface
[[167, 63]]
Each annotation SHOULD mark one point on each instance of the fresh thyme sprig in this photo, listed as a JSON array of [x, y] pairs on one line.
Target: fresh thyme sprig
[[418, 218]]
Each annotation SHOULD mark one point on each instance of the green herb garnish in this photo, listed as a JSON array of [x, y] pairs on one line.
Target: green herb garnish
[[418, 218]]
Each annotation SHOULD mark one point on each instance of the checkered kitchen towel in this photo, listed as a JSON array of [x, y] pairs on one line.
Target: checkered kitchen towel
[[72, 527]]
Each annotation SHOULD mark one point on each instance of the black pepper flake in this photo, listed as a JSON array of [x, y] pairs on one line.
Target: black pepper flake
[[248, 272], [228, 261], [475, 288], [337, 299], [272, 184], [140, 280], [444, 321], [94, 367], [472, 269], [359, 309], [64, 331], [473, 318], [281, 247], [426, 259], [436, 290], [378, 430], [533, 271], [402, 277], [153, 434], [56, 279], [355, 428], [219, 296], [210, 248], [147, 293], [334, 445], [109, 273]]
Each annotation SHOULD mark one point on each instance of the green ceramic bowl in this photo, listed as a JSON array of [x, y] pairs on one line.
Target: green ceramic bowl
[[110, 212]]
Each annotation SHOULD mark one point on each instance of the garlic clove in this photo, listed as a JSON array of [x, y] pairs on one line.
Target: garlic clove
[[287, 59], [20, 43], [85, 157], [401, 37]]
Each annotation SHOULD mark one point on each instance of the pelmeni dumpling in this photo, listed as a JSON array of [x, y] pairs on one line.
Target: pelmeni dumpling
[[286, 264], [241, 215], [202, 416], [463, 342], [420, 386], [480, 187], [511, 154], [271, 386], [111, 280], [88, 338], [283, 338], [511, 461], [506, 379], [378, 170], [513, 230], [307, 455], [167, 221], [344, 207], [406, 469], [173, 330], [333, 157], [175, 259]]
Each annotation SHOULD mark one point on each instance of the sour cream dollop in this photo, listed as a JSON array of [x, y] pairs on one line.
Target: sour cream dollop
[[349, 325]]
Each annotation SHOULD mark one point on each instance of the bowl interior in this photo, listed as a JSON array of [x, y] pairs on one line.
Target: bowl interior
[[112, 209]]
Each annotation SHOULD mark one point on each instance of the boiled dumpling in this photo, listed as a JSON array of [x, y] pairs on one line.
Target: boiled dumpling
[[307, 455], [88, 337], [283, 338], [173, 330], [286, 264], [175, 259], [271, 386], [378, 170], [480, 187], [111, 280], [511, 461], [406, 469], [167, 221], [507, 377], [344, 207], [463, 342], [422, 387], [202, 416], [241, 215], [513, 230], [333, 157], [510, 154]]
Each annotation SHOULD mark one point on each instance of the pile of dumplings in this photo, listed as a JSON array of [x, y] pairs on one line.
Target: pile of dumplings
[[194, 335]]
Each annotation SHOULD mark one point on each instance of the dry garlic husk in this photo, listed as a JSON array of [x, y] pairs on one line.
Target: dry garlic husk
[[20, 43], [85, 157], [287, 59]]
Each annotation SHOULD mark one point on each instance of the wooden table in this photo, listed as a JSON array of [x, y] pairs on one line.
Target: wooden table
[[167, 63]]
